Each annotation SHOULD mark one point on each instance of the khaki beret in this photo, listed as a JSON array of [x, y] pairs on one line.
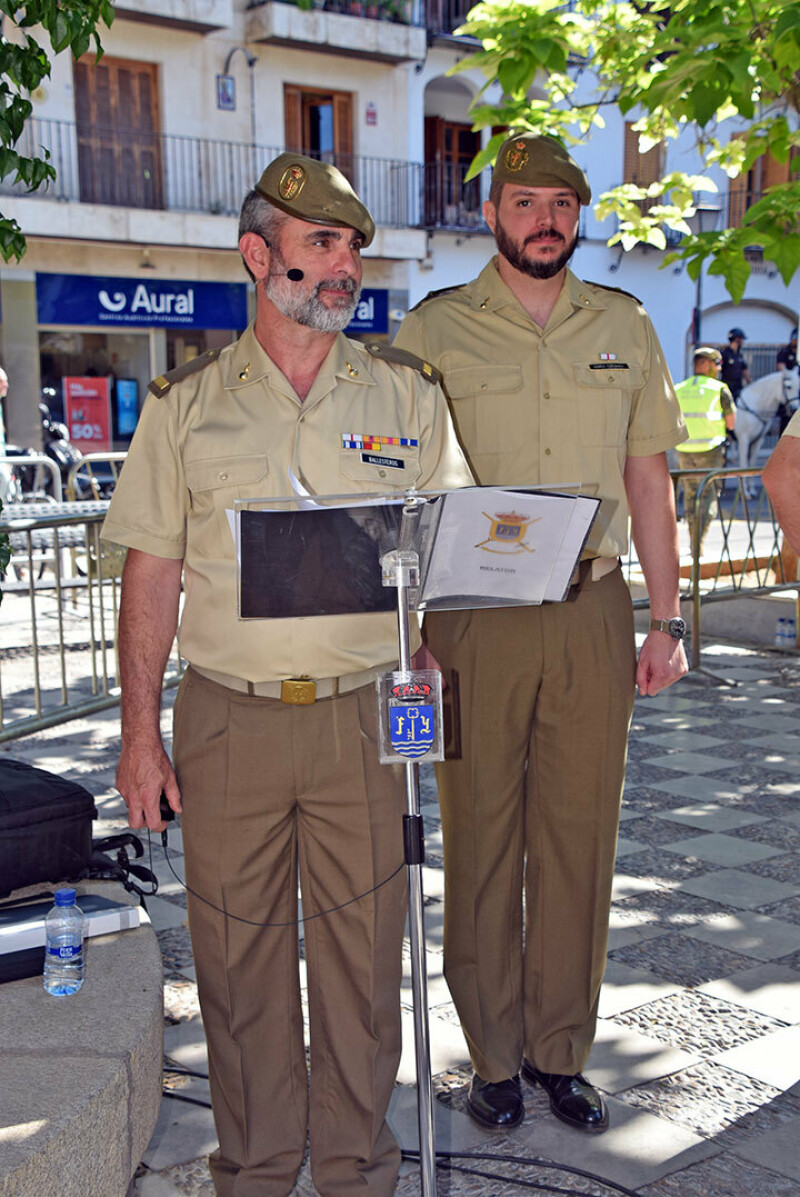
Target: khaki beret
[[535, 160], [314, 191], [713, 355]]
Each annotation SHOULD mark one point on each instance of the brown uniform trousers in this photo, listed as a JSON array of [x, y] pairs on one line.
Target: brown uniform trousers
[[268, 789], [552, 686]]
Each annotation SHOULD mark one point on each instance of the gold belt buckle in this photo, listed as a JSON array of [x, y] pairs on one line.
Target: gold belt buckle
[[299, 691]]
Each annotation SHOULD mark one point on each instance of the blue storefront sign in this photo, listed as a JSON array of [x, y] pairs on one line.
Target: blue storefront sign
[[154, 303], [372, 313]]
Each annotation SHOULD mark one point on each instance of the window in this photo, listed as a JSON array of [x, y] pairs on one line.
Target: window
[[449, 150], [119, 150], [749, 187], [642, 169], [320, 124]]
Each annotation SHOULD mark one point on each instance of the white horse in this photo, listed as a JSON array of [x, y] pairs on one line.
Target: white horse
[[755, 407]]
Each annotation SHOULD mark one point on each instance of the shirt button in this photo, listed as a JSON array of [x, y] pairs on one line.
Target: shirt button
[[547, 452], [381, 473], [547, 395], [484, 386], [223, 477]]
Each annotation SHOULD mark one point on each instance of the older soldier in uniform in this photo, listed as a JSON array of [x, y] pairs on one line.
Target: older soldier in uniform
[[550, 380], [781, 478], [710, 413], [276, 760]]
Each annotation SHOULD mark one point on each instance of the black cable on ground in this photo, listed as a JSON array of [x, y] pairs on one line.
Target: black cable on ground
[[444, 1159]]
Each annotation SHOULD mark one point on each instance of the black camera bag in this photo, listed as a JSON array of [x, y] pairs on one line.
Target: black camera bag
[[45, 827]]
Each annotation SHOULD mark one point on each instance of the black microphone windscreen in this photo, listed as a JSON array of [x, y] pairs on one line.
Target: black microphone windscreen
[[295, 275]]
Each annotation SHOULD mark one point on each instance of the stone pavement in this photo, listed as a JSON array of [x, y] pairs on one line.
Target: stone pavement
[[698, 1047]]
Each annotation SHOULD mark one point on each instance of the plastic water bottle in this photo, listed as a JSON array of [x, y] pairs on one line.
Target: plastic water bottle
[[63, 954], [780, 633], [790, 632]]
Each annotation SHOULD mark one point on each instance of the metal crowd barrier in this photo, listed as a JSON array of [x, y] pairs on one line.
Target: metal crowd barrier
[[746, 556], [40, 462], [88, 466], [59, 617], [58, 620]]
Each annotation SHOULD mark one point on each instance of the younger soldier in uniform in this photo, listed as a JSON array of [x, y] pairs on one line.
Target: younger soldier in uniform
[[550, 380], [276, 760], [710, 413]]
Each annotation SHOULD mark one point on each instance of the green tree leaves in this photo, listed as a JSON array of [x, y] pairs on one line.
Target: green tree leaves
[[729, 70], [24, 63]]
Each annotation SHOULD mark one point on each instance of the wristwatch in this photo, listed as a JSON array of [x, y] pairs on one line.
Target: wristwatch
[[676, 628]]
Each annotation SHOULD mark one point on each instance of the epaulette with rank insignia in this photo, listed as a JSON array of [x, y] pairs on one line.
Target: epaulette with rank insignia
[[618, 290], [161, 385], [436, 294], [401, 357]]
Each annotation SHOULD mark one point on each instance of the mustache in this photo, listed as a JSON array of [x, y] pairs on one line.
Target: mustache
[[540, 236], [346, 285]]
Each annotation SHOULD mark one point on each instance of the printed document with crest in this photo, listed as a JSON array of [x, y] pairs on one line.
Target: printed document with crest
[[499, 547]]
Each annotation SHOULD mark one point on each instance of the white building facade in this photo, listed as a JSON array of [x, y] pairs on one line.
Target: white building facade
[[132, 266]]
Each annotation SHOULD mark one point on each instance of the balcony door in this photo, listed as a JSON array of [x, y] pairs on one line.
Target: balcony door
[[119, 151], [450, 203], [320, 124]]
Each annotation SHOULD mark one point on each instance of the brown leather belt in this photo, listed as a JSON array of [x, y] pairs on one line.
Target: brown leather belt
[[297, 691], [593, 569]]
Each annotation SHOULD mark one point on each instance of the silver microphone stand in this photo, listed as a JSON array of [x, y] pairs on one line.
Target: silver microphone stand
[[401, 569]]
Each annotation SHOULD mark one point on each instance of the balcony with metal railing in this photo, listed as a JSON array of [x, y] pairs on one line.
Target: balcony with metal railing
[[167, 172], [443, 17]]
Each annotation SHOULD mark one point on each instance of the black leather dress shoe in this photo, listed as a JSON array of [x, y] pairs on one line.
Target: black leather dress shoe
[[572, 1098], [496, 1103]]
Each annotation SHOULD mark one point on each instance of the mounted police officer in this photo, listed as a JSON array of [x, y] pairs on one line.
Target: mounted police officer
[[735, 371]]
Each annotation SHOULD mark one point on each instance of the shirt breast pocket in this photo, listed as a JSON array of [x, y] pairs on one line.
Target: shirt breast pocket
[[485, 401], [392, 467], [604, 397], [214, 485]]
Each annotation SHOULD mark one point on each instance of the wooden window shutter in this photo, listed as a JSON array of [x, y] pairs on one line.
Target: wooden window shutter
[[293, 117], [641, 169]]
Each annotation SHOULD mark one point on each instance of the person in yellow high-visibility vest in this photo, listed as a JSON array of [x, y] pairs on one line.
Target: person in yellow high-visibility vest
[[709, 412]]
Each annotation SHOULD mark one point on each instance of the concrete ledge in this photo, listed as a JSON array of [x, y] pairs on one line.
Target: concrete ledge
[[336, 33], [81, 1076]]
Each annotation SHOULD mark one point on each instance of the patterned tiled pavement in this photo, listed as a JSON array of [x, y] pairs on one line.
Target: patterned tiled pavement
[[698, 1046]]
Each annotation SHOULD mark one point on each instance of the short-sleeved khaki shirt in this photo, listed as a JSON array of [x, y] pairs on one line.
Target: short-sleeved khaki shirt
[[234, 430], [564, 404], [793, 427]]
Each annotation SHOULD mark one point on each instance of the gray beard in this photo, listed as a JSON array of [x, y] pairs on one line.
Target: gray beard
[[309, 310], [514, 253]]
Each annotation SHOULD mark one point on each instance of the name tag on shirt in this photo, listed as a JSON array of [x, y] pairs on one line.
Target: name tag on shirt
[[394, 463], [609, 366]]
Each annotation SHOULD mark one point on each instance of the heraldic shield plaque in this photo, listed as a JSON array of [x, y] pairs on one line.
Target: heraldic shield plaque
[[410, 709]]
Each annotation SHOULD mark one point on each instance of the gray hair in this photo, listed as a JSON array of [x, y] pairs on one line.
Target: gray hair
[[259, 216]]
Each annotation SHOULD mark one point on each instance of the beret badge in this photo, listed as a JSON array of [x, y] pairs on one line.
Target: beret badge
[[292, 182], [516, 156]]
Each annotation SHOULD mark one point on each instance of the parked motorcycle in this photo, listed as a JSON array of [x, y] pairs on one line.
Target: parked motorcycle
[[56, 444]]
